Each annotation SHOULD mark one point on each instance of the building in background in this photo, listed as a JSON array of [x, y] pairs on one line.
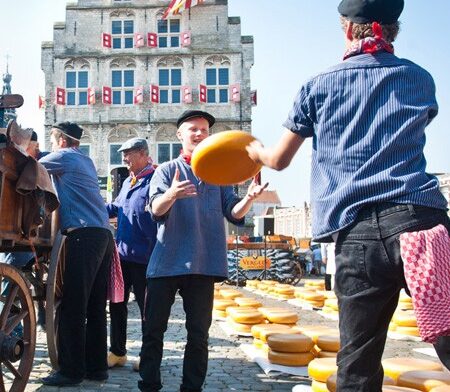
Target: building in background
[[120, 70], [293, 221], [444, 185], [263, 218]]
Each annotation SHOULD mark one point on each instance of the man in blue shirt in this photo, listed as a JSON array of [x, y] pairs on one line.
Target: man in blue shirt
[[135, 238], [367, 117], [82, 332], [189, 255]]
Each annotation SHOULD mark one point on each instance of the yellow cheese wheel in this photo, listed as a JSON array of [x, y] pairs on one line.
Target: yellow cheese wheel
[[315, 331], [392, 326], [231, 309], [222, 304], [311, 296], [251, 283], [326, 354], [258, 343], [290, 359], [285, 296], [219, 313], [315, 304], [248, 302], [265, 333], [405, 318], [230, 293], [290, 343], [284, 290], [321, 368], [286, 317], [404, 297], [332, 303], [246, 315], [394, 388], [265, 309], [393, 367], [258, 328], [412, 331], [329, 342], [239, 327], [423, 380], [443, 388], [317, 386], [331, 382]]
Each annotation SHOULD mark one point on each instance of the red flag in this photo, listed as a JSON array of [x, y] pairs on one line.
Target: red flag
[[60, 96], [178, 6], [41, 102], [253, 97]]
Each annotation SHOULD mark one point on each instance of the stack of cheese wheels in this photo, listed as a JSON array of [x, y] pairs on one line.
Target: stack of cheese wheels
[[247, 302], [330, 306], [394, 367], [290, 349], [314, 331], [315, 285], [315, 299], [242, 319], [220, 306], [279, 315], [328, 345], [319, 370], [261, 332], [404, 301], [298, 291], [443, 388], [331, 382], [266, 285], [405, 323], [230, 293], [252, 284], [283, 291], [424, 380]]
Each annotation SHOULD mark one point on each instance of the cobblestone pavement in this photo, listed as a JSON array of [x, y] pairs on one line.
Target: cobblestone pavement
[[229, 368]]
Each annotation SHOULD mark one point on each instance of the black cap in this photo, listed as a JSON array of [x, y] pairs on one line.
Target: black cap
[[134, 144], [367, 11], [34, 137], [70, 129], [188, 114]]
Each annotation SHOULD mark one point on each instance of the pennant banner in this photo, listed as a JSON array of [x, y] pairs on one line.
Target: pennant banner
[[178, 6]]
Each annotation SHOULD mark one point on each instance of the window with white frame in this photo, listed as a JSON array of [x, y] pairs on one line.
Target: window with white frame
[[85, 149], [115, 157], [169, 85], [76, 87], [122, 83], [168, 151], [122, 32], [169, 33], [217, 85]]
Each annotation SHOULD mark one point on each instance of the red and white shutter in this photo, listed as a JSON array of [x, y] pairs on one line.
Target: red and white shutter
[[91, 95], [106, 96], [186, 38], [154, 93], [152, 40], [60, 96], [235, 92], [41, 102], [254, 97], [202, 93], [138, 40], [106, 40], [186, 91], [139, 95]]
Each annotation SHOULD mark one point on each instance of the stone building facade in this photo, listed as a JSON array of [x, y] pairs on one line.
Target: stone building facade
[[294, 221], [123, 55]]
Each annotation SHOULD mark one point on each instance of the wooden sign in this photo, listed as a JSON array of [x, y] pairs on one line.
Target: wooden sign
[[11, 101], [254, 263]]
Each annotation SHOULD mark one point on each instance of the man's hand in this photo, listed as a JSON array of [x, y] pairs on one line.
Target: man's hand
[[181, 189], [254, 190]]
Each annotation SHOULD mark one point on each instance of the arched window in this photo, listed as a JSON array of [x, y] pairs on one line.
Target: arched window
[[217, 79], [170, 79], [122, 81], [169, 31], [77, 82], [122, 29]]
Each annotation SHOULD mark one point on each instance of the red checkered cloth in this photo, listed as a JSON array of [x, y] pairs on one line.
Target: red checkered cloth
[[426, 260], [116, 288]]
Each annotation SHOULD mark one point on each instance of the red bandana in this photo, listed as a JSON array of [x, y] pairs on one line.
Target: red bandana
[[186, 157], [144, 172], [370, 44]]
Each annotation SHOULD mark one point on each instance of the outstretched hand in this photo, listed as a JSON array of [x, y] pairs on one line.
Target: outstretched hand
[[181, 189], [254, 190]]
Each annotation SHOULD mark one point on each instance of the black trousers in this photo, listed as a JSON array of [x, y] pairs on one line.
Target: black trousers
[[82, 322], [133, 277], [197, 292]]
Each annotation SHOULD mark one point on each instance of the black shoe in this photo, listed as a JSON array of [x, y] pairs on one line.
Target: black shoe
[[97, 376], [58, 380]]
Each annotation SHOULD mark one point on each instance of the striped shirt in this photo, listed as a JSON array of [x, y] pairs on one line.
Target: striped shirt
[[367, 117]]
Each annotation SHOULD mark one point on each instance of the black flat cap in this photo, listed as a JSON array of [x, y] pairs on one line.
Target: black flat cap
[[134, 144], [188, 114], [367, 11], [70, 129]]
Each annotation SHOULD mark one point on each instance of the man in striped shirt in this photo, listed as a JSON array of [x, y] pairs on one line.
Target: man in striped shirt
[[367, 117]]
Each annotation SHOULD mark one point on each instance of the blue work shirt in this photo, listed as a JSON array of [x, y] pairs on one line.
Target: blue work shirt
[[136, 230], [75, 180], [191, 235], [367, 116]]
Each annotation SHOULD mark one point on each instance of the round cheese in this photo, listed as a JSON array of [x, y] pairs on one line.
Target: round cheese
[[219, 313], [290, 343], [328, 342], [246, 302], [290, 359], [394, 388], [274, 328], [230, 293], [331, 382], [286, 317], [313, 296], [393, 367], [412, 331], [222, 304], [405, 318], [317, 386], [239, 327], [315, 331], [321, 368], [246, 316], [443, 388], [423, 380], [331, 303], [326, 354]]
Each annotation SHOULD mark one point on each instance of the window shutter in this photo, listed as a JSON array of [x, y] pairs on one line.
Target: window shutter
[[254, 97], [152, 40], [60, 96], [106, 96], [139, 95], [187, 94], [186, 38], [91, 95], [138, 40], [202, 93], [154, 93], [235, 92], [106, 40]]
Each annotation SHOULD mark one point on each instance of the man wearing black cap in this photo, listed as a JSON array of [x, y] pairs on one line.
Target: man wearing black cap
[[367, 116], [82, 334], [189, 255]]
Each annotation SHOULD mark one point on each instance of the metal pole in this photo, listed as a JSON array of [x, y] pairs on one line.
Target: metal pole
[[237, 258]]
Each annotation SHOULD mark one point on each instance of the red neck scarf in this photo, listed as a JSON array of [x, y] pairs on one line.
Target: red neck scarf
[[370, 44], [186, 157], [144, 172]]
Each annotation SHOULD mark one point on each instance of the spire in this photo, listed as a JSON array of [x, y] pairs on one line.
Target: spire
[[10, 114]]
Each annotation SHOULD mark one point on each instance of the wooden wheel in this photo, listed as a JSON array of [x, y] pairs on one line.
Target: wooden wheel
[[16, 352], [53, 297]]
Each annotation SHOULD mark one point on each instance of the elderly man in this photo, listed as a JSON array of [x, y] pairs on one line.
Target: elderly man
[[82, 332], [136, 235]]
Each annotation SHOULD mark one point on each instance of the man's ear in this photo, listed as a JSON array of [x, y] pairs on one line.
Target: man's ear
[[179, 135], [349, 31]]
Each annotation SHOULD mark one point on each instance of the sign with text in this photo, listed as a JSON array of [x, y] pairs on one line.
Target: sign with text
[[254, 263]]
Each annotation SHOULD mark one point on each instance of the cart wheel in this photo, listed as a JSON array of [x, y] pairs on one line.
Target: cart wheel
[[16, 348], [53, 297]]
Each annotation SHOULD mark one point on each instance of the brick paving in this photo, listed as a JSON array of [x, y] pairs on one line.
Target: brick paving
[[229, 369]]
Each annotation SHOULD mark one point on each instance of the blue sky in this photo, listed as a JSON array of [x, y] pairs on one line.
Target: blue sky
[[294, 39]]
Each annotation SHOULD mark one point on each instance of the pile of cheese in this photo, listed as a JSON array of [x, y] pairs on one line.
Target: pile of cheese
[[404, 322]]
